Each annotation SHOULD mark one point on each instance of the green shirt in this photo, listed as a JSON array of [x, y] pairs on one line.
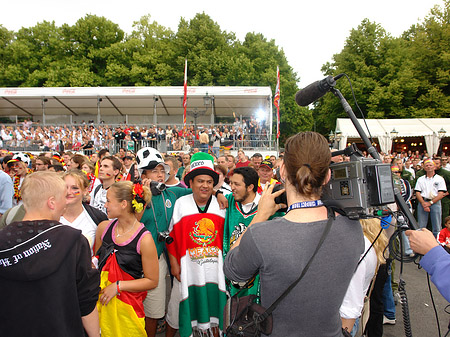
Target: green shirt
[[236, 221], [406, 175], [162, 211], [180, 172]]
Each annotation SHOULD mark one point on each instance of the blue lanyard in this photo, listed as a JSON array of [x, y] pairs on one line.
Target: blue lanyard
[[305, 204]]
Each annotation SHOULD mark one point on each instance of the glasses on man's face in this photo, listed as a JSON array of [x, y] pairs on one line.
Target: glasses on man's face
[[158, 172]]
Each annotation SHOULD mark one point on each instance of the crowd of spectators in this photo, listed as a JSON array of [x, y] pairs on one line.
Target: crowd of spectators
[[88, 137], [407, 169]]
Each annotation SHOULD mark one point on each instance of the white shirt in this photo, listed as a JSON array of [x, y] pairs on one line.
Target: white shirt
[[353, 302], [430, 187], [85, 224], [248, 207], [225, 188], [98, 200]]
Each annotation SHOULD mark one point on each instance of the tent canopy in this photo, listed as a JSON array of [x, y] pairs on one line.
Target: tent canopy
[[381, 129], [122, 101]]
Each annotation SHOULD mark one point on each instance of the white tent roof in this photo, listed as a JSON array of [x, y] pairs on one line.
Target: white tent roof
[[381, 128], [405, 127], [132, 100]]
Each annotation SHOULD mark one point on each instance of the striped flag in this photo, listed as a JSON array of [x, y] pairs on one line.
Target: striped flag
[[276, 101], [185, 97]]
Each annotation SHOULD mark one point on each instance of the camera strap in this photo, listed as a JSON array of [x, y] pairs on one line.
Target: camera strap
[[269, 310], [165, 211]]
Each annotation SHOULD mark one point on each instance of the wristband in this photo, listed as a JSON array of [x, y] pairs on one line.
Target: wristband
[[118, 287], [218, 192]]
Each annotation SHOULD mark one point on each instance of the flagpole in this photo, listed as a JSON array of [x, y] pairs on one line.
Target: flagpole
[[184, 101], [276, 102]]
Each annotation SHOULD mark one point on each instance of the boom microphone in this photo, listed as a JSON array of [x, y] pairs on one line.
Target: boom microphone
[[315, 90]]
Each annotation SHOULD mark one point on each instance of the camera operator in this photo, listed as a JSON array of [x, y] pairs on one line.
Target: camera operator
[[279, 249]]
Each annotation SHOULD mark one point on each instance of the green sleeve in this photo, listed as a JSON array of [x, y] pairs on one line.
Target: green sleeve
[[408, 177], [418, 175], [180, 191], [180, 172]]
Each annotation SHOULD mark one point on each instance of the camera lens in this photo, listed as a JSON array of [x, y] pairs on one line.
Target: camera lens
[[165, 237]]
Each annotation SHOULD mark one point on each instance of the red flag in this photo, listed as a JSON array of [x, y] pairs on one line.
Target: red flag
[[185, 97], [276, 101]]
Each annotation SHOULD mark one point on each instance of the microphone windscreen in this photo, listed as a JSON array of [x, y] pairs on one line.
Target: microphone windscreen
[[309, 94]]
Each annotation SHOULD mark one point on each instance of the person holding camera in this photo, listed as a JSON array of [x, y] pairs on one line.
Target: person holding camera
[[281, 248], [156, 218]]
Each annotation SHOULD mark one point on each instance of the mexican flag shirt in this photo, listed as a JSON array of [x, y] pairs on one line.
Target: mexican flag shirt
[[197, 246]]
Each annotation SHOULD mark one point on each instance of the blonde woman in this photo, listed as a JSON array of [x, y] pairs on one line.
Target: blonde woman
[[77, 214], [127, 260], [353, 302]]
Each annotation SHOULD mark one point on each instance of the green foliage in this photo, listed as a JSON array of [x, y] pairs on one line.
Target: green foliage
[[96, 52], [404, 77], [392, 77]]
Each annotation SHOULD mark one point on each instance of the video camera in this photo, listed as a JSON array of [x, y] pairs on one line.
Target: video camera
[[360, 186]]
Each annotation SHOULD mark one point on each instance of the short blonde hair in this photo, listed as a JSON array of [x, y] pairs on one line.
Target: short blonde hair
[[39, 186], [79, 176]]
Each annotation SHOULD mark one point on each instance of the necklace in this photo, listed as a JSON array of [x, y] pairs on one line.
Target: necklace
[[305, 204], [117, 229]]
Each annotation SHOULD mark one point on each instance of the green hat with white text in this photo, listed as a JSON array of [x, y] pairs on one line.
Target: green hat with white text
[[201, 163]]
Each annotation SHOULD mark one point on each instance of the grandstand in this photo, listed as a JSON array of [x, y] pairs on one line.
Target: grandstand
[[135, 105], [145, 107]]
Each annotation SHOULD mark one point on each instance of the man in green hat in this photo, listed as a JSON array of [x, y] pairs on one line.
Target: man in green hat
[[198, 294]]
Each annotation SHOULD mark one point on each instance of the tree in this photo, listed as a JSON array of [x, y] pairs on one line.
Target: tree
[[96, 52], [92, 39], [144, 58], [405, 77], [363, 60], [429, 45], [206, 47]]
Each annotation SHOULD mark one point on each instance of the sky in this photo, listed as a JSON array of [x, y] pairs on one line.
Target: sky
[[309, 32]]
